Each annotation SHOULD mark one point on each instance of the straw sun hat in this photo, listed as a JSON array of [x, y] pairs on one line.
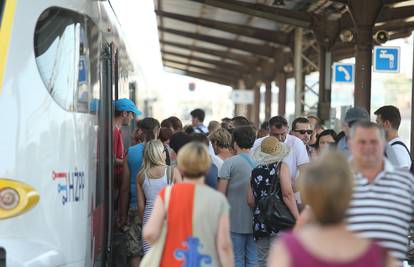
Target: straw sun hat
[[270, 151]]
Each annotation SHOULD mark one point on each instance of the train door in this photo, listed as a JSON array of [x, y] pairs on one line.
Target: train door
[[102, 215], [108, 162], [109, 93], [118, 237]]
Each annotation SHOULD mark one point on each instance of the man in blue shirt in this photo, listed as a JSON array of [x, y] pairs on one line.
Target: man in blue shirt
[[197, 119]]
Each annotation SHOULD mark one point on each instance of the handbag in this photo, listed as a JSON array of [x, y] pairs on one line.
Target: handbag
[[273, 211], [154, 255]]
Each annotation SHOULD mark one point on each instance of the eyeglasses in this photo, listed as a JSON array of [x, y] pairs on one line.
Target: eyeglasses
[[304, 131]]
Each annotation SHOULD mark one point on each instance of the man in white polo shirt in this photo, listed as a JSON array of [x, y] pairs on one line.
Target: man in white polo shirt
[[382, 205]]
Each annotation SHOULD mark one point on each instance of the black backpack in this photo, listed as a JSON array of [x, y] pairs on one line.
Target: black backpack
[[408, 151], [273, 211]]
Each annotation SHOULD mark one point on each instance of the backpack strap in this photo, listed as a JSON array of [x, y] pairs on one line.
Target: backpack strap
[[199, 129], [170, 174], [275, 180], [402, 144], [167, 196], [167, 155]]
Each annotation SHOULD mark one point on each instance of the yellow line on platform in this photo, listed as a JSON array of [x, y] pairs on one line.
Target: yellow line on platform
[[5, 35]]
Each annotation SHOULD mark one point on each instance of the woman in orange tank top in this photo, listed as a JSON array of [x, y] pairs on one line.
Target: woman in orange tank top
[[197, 216]]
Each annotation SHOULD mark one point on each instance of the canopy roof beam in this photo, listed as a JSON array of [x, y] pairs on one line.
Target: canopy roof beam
[[210, 72], [221, 64], [227, 72], [277, 37], [249, 60], [294, 18], [261, 50], [204, 76], [388, 14]]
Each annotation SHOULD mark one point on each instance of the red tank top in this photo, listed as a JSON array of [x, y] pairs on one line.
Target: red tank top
[[118, 149], [374, 256]]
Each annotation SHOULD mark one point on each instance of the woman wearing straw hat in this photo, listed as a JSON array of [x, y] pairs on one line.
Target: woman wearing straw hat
[[270, 166]]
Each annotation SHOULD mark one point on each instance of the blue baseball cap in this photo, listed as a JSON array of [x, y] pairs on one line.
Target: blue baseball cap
[[94, 105], [124, 104]]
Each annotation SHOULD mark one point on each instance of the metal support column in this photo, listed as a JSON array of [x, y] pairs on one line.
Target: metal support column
[[257, 105], [268, 100], [364, 14], [325, 74], [363, 61], [281, 83], [326, 31], [236, 110], [249, 112], [302, 93], [237, 107], [298, 70]]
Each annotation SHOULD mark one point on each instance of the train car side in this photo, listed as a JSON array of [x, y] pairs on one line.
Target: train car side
[[53, 130]]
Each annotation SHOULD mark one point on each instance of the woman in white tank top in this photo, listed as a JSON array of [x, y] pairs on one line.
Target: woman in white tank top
[[153, 176]]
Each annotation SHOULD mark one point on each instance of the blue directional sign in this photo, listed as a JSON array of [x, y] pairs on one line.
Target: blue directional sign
[[343, 73], [83, 71], [386, 59]]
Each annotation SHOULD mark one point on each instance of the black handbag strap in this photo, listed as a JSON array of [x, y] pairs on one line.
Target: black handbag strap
[[273, 184], [402, 144]]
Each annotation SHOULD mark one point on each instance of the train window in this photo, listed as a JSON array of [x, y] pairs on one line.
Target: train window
[[1, 12], [93, 35], [62, 57]]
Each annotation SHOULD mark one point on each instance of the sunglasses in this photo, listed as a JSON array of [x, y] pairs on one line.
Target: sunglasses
[[304, 131]]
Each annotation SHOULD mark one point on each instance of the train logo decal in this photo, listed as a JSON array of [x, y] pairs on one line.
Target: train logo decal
[[70, 185]]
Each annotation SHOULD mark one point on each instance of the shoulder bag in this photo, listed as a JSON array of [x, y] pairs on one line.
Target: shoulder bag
[[154, 255]]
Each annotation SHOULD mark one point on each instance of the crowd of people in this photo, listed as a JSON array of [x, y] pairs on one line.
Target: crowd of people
[[229, 194]]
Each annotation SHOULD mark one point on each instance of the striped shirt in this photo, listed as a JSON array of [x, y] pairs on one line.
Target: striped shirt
[[383, 209]]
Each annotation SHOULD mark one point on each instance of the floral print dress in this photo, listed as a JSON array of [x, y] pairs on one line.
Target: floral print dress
[[262, 179]]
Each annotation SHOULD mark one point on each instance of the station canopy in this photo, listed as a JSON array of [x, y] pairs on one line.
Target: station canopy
[[225, 41]]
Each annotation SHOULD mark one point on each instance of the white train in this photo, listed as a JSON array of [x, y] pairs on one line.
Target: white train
[[62, 62]]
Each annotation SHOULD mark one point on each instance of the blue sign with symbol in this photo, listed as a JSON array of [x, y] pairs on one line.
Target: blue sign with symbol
[[343, 73], [386, 59], [82, 70]]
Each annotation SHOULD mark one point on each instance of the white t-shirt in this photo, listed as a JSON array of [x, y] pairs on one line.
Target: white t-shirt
[[214, 158], [201, 128], [400, 157], [299, 154]]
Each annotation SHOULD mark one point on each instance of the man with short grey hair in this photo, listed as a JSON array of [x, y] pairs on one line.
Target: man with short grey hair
[[382, 205], [352, 116]]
